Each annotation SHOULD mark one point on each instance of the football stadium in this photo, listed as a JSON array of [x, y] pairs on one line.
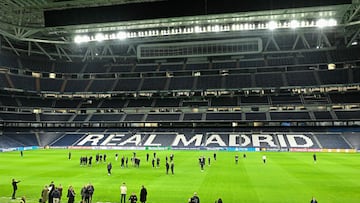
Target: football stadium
[[179, 101]]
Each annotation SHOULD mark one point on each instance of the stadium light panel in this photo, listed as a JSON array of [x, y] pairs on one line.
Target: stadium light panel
[[332, 22], [216, 28], [81, 39], [272, 25], [121, 35], [246, 26], [197, 29], [99, 37], [321, 23], [294, 24]]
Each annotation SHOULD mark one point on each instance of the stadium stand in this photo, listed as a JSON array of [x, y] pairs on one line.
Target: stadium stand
[[267, 80]]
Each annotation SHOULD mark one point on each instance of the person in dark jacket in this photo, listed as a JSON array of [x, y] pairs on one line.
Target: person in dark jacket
[[194, 199], [172, 167], [313, 200], [90, 190], [71, 195], [56, 195], [143, 194], [83, 193], [51, 189], [14, 185], [167, 167], [109, 167], [133, 198]]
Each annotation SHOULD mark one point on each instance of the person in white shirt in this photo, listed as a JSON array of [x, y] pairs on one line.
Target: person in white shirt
[[123, 190], [264, 159]]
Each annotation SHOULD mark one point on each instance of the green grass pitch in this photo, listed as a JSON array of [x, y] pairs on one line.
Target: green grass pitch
[[287, 177]]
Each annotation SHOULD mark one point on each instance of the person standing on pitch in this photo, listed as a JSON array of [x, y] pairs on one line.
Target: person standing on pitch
[[123, 191], [314, 158], [167, 167], [313, 200], [55, 195], [44, 194], [172, 167], [14, 185], [264, 159], [109, 167], [71, 194], [143, 194], [194, 199], [236, 158], [133, 198]]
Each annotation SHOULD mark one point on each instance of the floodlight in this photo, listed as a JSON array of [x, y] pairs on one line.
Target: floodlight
[[81, 38], [246, 26], [99, 37], [294, 24], [216, 28], [321, 23], [272, 25], [197, 29], [78, 39], [234, 27], [332, 22]]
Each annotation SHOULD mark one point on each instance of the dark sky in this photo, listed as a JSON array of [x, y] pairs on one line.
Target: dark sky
[[171, 8]]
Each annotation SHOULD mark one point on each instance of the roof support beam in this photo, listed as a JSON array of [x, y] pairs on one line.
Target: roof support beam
[[12, 47], [322, 41], [61, 52], [112, 54], [353, 38], [132, 49], [29, 49], [43, 50], [65, 54], [272, 40], [353, 11], [107, 51], [58, 51], [301, 36], [87, 52]]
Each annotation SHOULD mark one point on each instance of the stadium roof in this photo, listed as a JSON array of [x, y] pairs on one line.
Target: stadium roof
[[49, 27]]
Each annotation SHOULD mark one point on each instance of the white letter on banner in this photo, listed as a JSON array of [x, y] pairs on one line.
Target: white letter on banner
[[93, 138], [281, 140], [293, 143], [246, 142], [150, 140], [182, 138], [215, 139], [267, 139], [111, 138], [233, 140], [135, 139]]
